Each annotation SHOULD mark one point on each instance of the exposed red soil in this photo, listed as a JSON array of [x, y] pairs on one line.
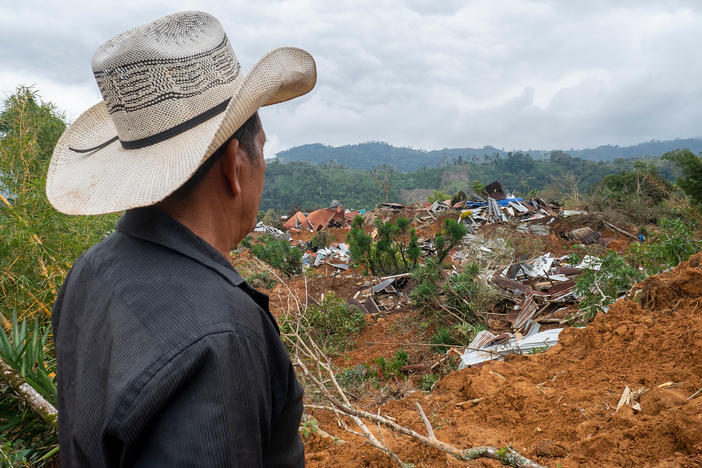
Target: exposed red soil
[[559, 407], [306, 236]]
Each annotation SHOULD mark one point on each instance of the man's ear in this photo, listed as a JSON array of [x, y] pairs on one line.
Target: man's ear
[[231, 165]]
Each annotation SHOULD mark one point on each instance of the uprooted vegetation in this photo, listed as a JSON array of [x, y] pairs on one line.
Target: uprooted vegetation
[[459, 297]]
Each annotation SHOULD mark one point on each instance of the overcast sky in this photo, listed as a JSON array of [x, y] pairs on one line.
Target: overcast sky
[[429, 74]]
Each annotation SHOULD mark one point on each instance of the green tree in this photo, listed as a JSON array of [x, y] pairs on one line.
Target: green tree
[[39, 244], [445, 240], [382, 176], [479, 188], [438, 195], [38, 247], [691, 166]]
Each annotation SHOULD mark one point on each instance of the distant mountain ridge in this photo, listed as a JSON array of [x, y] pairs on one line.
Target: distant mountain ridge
[[371, 154]]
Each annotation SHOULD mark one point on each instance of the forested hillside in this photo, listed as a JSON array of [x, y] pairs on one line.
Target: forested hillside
[[371, 154], [306, 186]]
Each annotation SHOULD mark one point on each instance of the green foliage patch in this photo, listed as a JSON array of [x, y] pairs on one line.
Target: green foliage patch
[[320, 240], [278, 253], [673, 244], [377, 369], [332, 324], [396, 250], [460, 296], [691, 166], [428, 381], [38, 247], [617, 274]]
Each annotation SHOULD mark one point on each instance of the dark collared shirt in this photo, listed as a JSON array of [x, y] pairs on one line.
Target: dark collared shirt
[[166, 357]]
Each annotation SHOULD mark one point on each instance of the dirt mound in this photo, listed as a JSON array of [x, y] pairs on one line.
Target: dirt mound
[[559, 407]]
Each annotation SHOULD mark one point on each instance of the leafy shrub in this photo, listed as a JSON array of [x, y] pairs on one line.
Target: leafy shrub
[[320, 240], [396, 250], [639, 196], [353, 376], [246, 241], [379, 368], [460, 296], [387, 368], [23, 349], [673, 244], [333, 323], [442, 340], [464, 332], [479, 188], [438, 195], [599, 288], [261, 280], [279, 254], [428, 381], [360, 245], [26, 438], [691, 166], [399, 360], [309, 426], [448, 238]]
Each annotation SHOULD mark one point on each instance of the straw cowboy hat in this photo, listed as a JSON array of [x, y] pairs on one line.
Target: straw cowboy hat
[[173, 92]]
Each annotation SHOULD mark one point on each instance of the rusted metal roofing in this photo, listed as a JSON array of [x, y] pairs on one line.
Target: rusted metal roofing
[[514, 285], [297, 222], [351, 215], [584, 235], [322, 218], [528, 309]]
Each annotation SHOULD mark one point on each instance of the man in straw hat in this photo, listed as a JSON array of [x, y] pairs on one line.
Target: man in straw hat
[[166, 357]]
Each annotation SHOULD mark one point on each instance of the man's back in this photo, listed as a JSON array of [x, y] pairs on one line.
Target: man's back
[[167, 358]]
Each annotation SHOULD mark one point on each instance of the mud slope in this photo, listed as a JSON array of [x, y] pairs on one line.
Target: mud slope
[[559, 407]]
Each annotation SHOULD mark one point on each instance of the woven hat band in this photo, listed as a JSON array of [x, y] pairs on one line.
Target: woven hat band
[[149, 97]]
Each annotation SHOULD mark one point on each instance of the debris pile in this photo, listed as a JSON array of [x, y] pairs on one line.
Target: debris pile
[[541, 289], [383, 294], [336, 255]]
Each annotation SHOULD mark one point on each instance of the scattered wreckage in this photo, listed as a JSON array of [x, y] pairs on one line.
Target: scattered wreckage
[[541, 290]]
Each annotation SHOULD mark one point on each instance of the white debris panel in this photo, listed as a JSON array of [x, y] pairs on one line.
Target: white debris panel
[[477, 354]]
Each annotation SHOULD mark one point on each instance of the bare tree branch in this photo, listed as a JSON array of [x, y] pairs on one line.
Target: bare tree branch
[[27, 393]]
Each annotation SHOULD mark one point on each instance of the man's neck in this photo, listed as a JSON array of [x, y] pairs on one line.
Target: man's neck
[[206, 220]]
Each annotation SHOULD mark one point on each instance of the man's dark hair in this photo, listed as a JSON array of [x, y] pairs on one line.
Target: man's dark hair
[[246, 135]]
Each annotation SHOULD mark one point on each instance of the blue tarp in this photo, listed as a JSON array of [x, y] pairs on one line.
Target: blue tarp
[[505, 202]]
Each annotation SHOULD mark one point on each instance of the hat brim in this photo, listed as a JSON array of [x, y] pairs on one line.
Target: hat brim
[[113, 179]]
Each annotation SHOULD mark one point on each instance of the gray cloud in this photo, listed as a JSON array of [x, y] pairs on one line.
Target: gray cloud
[[514, 74]]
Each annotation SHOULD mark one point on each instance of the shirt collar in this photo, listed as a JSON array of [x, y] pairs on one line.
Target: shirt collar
[[153, 225]]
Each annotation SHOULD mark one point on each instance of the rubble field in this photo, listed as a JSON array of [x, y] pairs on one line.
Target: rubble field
[[615, 393], [622, 391]]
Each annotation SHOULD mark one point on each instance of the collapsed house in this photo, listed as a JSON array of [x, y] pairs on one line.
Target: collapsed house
[[298, 222], [334, 216]]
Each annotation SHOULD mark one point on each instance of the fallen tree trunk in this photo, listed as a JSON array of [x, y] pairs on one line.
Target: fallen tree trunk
[[506, 455], [27, 393]]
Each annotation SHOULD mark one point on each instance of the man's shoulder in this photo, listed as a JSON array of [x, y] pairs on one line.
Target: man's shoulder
[[160, 287]]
